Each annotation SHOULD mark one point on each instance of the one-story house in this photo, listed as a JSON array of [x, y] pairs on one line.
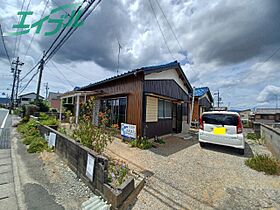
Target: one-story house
[[267, 115], [27, 98], [156, 99], [203, 101]]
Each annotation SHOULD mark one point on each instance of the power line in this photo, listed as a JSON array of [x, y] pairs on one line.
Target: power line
[[161, 31], [6, 51], [173, 32], [22, 29], [267, 59], [30, 71], [32, 39], [61, 32], [17, 29], [78, 73], [28, 82], [62, 74], [72, 29]]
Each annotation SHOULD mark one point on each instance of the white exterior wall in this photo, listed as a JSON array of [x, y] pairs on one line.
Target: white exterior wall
[[166, 75], [31, 98]]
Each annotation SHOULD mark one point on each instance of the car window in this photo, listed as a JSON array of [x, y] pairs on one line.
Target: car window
[[220, 119]]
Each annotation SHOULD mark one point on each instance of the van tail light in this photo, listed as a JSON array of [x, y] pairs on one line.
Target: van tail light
[[201, 123], [239, 126]]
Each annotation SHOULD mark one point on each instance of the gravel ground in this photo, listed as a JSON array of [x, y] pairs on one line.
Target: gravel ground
[[185, 176], [69, 191], [46, 180]]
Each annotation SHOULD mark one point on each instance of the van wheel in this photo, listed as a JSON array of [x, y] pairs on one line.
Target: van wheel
[[202, 144], [241, 151]]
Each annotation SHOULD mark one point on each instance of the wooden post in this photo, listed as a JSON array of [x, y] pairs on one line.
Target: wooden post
[[77, 109]]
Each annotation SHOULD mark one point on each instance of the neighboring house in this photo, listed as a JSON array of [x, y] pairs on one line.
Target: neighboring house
[[156, 99], [54, 100], [267, 115], [203, 101], [245, 115], [5, 102], [27, 98]]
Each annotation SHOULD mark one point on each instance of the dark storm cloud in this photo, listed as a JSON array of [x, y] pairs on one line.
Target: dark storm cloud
[[235, 31], [97, 38]]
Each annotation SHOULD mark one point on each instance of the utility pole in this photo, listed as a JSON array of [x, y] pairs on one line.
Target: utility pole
[[193, 97], [41, 68], [15, 71], [18, 76], [47, 89], [218, 98]]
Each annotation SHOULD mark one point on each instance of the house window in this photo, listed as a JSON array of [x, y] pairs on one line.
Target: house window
[[164, 109], [116, 110]]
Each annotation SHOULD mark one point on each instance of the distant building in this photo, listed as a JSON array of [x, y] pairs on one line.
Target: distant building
[[245, 115], [28, 98], [5, 102], [54, 100], [267, 115], [203, 101]]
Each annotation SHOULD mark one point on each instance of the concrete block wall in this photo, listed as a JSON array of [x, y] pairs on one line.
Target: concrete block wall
[[272, 138]]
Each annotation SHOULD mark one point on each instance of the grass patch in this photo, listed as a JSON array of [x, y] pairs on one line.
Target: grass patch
[[264, 163], [253, 136], [31, 136], [141, 143], [256, 137]]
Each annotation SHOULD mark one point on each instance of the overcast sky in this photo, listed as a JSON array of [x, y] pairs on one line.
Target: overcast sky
[[227, 45]]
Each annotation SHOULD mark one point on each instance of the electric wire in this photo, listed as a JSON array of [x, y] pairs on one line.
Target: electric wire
[[18, 29], [5, 47], [33, 36], [72, 30], [61, 32], [62, 74], [27, 84], [161, 31]]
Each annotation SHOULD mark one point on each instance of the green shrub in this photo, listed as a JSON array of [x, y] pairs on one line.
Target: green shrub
[[253, 136], [31, 136], [141, 143], [264, 163], [47, 120], [37, 145]]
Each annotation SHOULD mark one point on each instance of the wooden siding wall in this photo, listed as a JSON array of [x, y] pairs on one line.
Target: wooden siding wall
[[132, 87], [168, 88], [204, 102], [159, 128]]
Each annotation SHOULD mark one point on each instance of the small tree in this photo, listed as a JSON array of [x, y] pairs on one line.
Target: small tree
[[96, 138]]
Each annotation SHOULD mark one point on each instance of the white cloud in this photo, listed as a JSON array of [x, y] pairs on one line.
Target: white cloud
[[269, 93]]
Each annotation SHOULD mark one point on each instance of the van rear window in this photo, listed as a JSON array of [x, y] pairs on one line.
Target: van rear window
[[220, 119]]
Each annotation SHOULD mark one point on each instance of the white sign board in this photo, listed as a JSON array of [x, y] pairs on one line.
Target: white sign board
[[90, 167], [128, 130], [52, 139]]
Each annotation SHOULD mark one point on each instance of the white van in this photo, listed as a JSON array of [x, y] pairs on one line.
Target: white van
[[223, 128]]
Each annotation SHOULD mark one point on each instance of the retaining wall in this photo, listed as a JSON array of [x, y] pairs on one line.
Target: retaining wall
[[76, 156], [272, 138]]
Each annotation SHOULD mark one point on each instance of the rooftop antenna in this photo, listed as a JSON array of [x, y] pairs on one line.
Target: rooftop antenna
[[120, 47]]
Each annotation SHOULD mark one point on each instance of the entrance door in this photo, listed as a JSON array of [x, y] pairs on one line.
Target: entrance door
[[177, 118]]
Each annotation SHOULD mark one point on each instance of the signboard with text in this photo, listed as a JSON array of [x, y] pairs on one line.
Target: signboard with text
[[128, 131], [90, 167]]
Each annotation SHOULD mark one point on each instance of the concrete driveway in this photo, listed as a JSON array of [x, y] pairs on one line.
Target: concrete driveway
[[184, 176]]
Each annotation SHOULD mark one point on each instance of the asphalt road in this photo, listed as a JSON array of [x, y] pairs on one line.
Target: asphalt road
[[3, 114]]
